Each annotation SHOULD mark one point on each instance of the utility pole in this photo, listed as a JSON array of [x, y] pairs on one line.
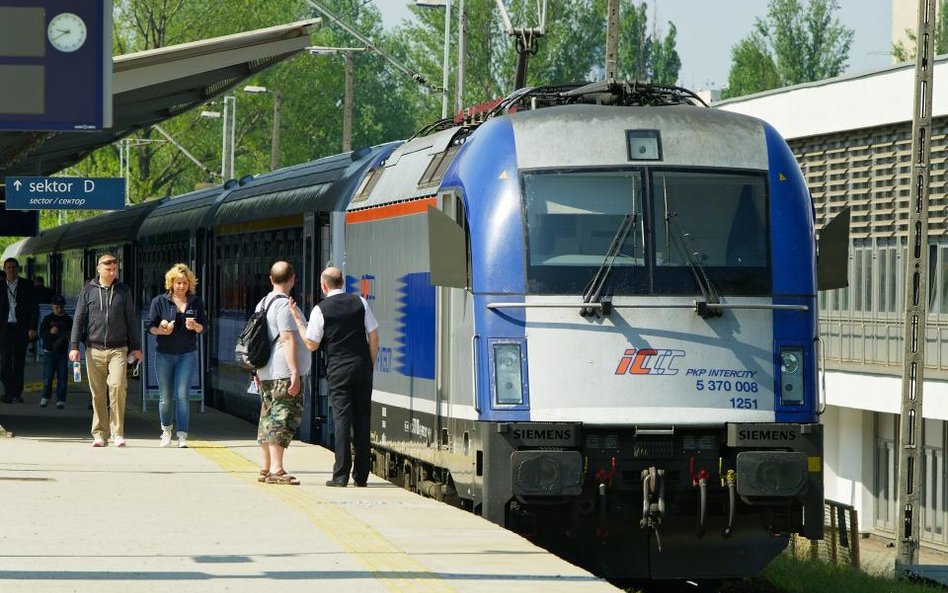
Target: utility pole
[[347, 103], [911, 442], [445, 74], [347, 55], [462, 43], [612, 39], [275, 141], [227, 150]]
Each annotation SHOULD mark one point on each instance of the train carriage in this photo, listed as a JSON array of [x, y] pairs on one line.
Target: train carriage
[[597, 327]]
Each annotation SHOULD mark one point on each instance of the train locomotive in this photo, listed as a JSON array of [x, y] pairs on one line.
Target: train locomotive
[[597, 326], [597, 317]]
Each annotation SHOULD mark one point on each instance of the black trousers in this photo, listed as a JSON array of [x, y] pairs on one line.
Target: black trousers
[[350, 396], [13, 343]]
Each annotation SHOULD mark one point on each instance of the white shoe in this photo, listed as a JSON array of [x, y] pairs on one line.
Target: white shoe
[[98, 442], [44, 402], [119, 441], [165, 437], [182, 440]]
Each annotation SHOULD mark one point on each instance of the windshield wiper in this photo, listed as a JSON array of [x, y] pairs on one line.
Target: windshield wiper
[[679, 238], [593, 293]]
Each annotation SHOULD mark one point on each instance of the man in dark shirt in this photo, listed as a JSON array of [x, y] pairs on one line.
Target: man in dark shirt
[[344, 324], [107, 318], [19, 315], [55, 330]]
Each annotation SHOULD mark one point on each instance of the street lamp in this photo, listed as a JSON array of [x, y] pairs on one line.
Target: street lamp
[[347, 95], [227, 131], [275, 139]]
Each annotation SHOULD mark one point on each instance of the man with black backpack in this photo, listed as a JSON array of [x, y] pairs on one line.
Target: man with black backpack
[[281, 379]]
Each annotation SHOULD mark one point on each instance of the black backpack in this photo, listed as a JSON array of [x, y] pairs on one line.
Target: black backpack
[[254, 344]]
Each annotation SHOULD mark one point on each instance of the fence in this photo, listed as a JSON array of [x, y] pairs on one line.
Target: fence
[[840, 543]]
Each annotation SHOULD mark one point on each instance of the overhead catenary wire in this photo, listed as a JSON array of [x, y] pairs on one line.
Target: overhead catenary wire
[[371, 45]]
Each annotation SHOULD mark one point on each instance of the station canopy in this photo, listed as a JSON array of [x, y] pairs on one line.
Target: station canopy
[[151, 86]]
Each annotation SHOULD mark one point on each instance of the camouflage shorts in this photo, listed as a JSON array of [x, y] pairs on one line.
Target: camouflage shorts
[[280, 413]]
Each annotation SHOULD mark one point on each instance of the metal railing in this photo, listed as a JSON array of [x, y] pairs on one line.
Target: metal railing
[[840, 543]]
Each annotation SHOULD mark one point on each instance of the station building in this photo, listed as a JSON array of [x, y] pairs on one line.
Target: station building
[[852, 136]]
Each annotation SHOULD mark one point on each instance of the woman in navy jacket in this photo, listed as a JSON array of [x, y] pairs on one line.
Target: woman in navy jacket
[[176, 318]]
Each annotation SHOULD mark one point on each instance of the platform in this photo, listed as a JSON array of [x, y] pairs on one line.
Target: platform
[[143, 518]]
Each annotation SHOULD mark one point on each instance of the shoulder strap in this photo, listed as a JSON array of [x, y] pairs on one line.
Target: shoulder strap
[[267, 308]]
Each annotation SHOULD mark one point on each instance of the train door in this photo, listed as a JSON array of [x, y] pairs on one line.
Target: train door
[[322, 254], [452, 345], [55, 270], [311, 428]]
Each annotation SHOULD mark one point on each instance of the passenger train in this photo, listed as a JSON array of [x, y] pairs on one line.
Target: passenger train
[[597, 310]]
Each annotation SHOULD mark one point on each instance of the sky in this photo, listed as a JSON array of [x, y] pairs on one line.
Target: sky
[[708, 29]]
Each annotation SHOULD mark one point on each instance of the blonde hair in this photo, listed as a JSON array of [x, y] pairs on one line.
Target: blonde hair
[[180, 271]]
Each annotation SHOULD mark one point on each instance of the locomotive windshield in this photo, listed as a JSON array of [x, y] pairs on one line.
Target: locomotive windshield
[[712, 219]]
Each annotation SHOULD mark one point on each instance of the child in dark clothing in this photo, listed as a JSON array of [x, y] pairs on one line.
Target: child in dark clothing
[[55, 330]]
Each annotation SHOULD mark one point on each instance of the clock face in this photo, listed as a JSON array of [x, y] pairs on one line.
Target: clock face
[[66, 32]]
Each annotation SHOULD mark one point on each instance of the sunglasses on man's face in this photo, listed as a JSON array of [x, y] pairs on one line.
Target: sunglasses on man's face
[[108, 262]]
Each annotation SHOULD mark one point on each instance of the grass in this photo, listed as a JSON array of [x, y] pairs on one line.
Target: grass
[[798, 576]]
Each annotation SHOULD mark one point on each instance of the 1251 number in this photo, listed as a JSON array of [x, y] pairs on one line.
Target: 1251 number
[[743, 403]]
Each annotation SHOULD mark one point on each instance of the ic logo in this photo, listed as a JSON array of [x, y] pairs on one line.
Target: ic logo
[[649, 361]]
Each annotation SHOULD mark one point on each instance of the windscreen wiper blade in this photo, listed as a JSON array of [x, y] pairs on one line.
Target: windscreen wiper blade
[[593, 293], [708, 291]]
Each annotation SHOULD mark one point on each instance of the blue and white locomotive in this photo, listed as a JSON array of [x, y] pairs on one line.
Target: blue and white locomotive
[[597, 327]]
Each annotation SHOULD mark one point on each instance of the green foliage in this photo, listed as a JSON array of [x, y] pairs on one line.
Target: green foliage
[[792, 45], [645, 57], [902, 52], [388, 105], [798, 576], [572, 50]]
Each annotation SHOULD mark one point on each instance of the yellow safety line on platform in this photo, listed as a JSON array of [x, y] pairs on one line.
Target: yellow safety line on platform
[[357, 538]]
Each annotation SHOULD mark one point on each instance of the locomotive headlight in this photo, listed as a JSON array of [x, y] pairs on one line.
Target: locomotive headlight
[[508, 373], [789, 362], [791, 376]]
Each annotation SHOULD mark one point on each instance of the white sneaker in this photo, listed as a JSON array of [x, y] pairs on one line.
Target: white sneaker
[[165, 438], [98, 442], [119, 441], [182, 440], [60, 405], [44, 402]]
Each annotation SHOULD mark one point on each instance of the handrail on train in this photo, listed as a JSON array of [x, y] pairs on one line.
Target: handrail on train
[[772, 307]]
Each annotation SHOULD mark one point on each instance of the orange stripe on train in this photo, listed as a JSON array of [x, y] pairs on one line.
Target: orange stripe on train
[[391, 211]]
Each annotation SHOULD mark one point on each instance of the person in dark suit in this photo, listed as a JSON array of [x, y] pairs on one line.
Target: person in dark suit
[[344, 325], [19, 314]]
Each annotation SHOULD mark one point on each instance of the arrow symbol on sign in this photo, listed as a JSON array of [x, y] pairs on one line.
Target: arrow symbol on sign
[[17, 184]]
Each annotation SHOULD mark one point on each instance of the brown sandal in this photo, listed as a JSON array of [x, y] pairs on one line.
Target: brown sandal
[[264, 474], [281, 477]]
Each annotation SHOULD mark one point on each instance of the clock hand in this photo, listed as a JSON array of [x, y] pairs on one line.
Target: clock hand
[[61, 33]]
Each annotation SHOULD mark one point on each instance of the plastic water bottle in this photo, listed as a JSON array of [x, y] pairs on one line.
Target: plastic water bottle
[[77, 372]]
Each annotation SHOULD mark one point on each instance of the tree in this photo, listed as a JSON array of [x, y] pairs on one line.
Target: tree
[[791, 46], [573, 49], [902, 52], [643, 56]]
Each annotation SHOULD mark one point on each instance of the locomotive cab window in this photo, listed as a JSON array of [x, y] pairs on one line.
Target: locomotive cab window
[[713, 220], [649, 228]]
